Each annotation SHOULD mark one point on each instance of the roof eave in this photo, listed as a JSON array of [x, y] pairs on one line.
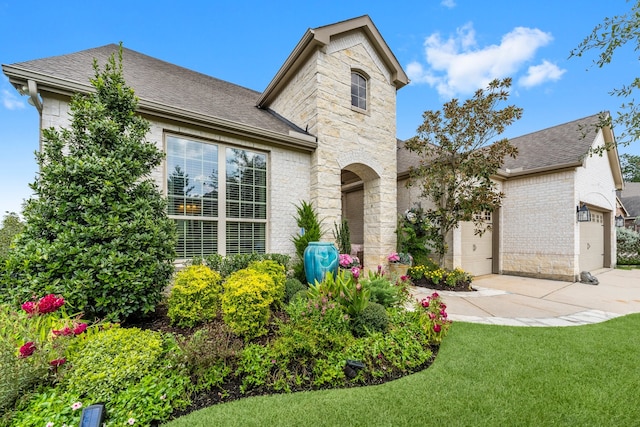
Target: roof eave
[[320, 37], [295, 140]]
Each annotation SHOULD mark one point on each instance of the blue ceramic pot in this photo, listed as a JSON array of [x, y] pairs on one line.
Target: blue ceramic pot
[[319, 259]]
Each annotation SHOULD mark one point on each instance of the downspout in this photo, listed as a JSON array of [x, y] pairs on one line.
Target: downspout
[[32, 91]]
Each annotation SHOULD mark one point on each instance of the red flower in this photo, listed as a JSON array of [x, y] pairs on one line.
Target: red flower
[[58, 362], [29, 307], [432, 316], [50, 303], [443, 306], [425, 302], [435, 295], [27, 349], [436, 328], [80, 328], [443, 313]]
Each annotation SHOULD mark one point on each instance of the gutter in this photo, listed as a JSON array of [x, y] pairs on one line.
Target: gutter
[[20, 78]]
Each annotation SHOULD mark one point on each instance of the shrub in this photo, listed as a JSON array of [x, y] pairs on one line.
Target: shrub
[[628, 246], [10, 228], [432, 316], [134, 371], [277, 273], [382, 291], [307, 220], [291, 287], [211, 355], [373, 318], [247, 296], [97, 230], [226, 265], [343, 289], [195, 296]]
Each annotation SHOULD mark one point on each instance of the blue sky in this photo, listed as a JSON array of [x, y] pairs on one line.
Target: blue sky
[[449, 48]]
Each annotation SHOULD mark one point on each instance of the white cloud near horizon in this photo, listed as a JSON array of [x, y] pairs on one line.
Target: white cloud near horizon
[[448, 3], [457, 65], [538, 74], [10, 101]]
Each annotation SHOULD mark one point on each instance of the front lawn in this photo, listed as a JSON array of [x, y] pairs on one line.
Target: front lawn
[[483, 376]]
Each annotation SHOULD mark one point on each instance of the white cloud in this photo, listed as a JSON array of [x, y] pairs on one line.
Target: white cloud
[[448, 3], [458, 66], [10, 101], [538, 74]]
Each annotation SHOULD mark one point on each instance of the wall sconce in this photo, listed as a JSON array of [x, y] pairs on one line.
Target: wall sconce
[[583, 213], [619, 221]]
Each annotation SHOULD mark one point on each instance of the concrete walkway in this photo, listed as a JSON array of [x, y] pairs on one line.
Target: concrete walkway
[[521, 301]]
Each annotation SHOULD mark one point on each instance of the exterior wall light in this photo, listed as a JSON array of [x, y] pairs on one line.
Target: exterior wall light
[[583, 213], [619, 221]]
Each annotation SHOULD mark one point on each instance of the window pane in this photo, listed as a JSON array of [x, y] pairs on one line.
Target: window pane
[[196, 238], [246, 237], [358, 91]]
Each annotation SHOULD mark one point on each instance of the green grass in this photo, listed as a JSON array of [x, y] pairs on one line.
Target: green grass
[[483, 376]]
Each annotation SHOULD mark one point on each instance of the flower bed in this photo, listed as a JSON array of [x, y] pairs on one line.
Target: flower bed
[[441, 279]]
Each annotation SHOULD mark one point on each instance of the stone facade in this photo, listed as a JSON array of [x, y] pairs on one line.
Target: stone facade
[[360, 141]]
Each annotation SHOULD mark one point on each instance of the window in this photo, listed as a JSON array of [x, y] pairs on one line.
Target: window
[[211, 214], [358, 91]]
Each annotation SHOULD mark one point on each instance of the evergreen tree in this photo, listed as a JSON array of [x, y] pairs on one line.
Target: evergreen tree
[[96, 230]]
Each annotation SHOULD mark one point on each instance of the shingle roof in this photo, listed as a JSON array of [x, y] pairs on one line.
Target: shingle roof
[[167, 84], [630, 198], [559, 145]]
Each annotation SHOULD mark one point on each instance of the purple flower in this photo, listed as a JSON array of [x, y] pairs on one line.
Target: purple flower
[[355, 271], [345, 260]]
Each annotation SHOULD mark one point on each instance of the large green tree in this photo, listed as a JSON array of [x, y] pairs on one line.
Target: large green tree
[[458, 160], [606, 38], [630, 167], [10, 228], [96, 230]]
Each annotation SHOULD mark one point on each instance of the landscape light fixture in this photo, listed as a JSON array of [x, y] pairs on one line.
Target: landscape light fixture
[[619, 221], [584, 215], [92, 416]]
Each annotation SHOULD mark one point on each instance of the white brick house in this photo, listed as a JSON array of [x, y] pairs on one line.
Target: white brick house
[[536, 231], [324, 131]]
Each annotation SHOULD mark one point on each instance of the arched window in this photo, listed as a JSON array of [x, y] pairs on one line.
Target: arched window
[[358, 90]]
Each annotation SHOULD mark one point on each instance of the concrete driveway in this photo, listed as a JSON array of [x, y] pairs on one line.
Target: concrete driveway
[[521, 301]]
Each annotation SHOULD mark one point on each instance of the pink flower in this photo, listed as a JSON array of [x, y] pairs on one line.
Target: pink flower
[[436, 328], [432, 316], [394, 257], [27, 349], [443, 306], [76, 406], [49, 424], [29, 307], [443, 313], [345, 260], [79, 328], [66, 331], [404, 278], [358, 287], [425, 302], [58, 362], [435, 295], [131, 421], [355, 271]]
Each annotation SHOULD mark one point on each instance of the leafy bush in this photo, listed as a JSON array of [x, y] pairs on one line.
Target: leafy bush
[[307, 220], [96, 230], [226, 265], [211, 354], [628, 246], [382, 291], [373, 318], [432, 316], [11, 227], [247, 296], [441, 276], [277, 273], [195, 296], [133, 370], [291, 287], [344, 289]]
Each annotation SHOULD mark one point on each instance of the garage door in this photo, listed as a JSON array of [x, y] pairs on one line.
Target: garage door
[[592, 243], [477, 251]]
